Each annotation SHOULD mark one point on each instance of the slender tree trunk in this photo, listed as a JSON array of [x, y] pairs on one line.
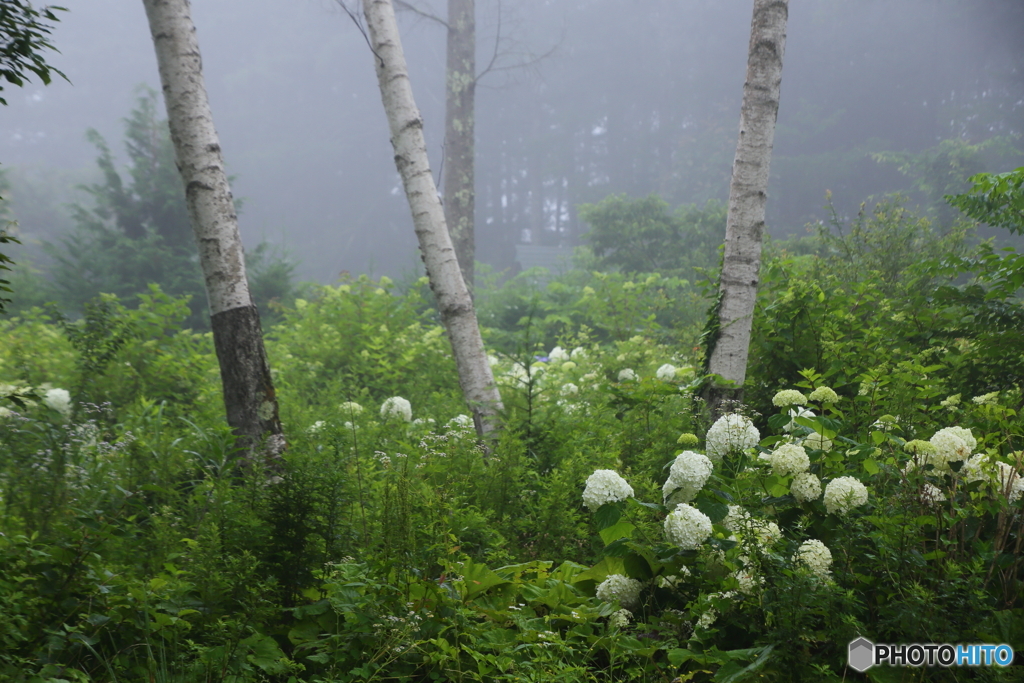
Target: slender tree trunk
[[245, 373], [454, 302], [748, 193], [459, 132]]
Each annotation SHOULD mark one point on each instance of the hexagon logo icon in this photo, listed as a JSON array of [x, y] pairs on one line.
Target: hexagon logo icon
[[862, 654]]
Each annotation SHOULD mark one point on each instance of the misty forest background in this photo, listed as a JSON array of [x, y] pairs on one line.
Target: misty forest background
[[386, 546]]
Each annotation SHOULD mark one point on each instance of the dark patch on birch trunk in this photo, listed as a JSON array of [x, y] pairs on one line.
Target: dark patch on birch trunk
[[249, 397]]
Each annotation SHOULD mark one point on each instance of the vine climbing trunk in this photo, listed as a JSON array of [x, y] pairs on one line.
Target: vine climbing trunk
[[459, 133], [453, 300], [249, 397], [748, 192]]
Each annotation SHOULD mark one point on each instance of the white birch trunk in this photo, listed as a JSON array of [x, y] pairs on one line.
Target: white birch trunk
[[748, 193], [459, 133], [249, 396], [454, 302]]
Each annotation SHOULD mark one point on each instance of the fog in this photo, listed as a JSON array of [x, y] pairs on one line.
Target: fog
[[616, 96]]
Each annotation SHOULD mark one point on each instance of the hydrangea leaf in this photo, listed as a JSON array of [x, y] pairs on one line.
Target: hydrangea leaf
[[607, 515]]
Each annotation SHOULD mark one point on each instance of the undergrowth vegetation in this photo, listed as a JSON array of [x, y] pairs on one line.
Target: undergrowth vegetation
[[611, 532]]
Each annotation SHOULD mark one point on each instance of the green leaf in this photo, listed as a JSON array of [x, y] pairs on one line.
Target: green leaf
[[622, 529], [607, 515], [870, 466]]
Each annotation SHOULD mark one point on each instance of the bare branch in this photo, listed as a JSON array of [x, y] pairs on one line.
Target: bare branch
[[359, 25], [409, 7], [527, 58]]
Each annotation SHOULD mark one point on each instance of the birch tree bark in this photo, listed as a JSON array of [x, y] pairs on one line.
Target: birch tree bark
[[459, 134], [454, 302], [748, 192], [249, 397]]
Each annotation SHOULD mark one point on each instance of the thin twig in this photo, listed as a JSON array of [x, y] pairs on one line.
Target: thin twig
[[403, 5], [359, 25]]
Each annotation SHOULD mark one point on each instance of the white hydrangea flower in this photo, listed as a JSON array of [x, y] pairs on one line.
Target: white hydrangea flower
[[951, 445], [687, 527], [730, 432], [627, 375], [748, 580], [579, 353], [795, 413], [568, 365], [708, 619], [816, 441], [350, 408], [805, 487], [620, 619], [666, 372], [824, 395], [59, 400], [558, 354], [1009, 481], [688, 474], [766, 533], [932, 495], [977, 468], [736, 519], [950, 401], [789, 459], [316, 427], [673, 580], [605, 486], [492, 360], [619, 588], [816, 556], [569, 389], [396, 406], [843, 494], [789, 397]]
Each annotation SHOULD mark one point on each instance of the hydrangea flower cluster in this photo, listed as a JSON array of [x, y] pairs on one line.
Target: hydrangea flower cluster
[[824, 395], [687, 527], [686, 477], [620, 619], [569, 389], [605, 486], [619, 588], [666, 372], [396, 406], [558, 354], [952, 444], [736, 518], [731, 432], [789, 397], [816, 441], [59, 400], [350, 408], [843, 494], [461, 422], [805, 487], [789, 459], [932, 495], [1009, 481], [627, 375], [816, 556]]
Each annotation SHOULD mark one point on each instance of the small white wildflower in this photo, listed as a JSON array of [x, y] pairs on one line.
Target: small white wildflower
[[396, 406], [730, 432], [558, 354], [620, 619], [316, 427], [627, 375], [805, 487], [59, 400], [688, 474], [843, 494], [789, 397], [687, 527], [789, 459], [619, 588], [987, 399], [605, 486], [460, 422], [816, 556], [666, 372], [824, 395]]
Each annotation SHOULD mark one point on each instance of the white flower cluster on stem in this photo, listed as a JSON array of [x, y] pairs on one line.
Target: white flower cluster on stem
[[619, 588], [687, 476], [731, 432], [605, 486], [687, 527], [843, 494]]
